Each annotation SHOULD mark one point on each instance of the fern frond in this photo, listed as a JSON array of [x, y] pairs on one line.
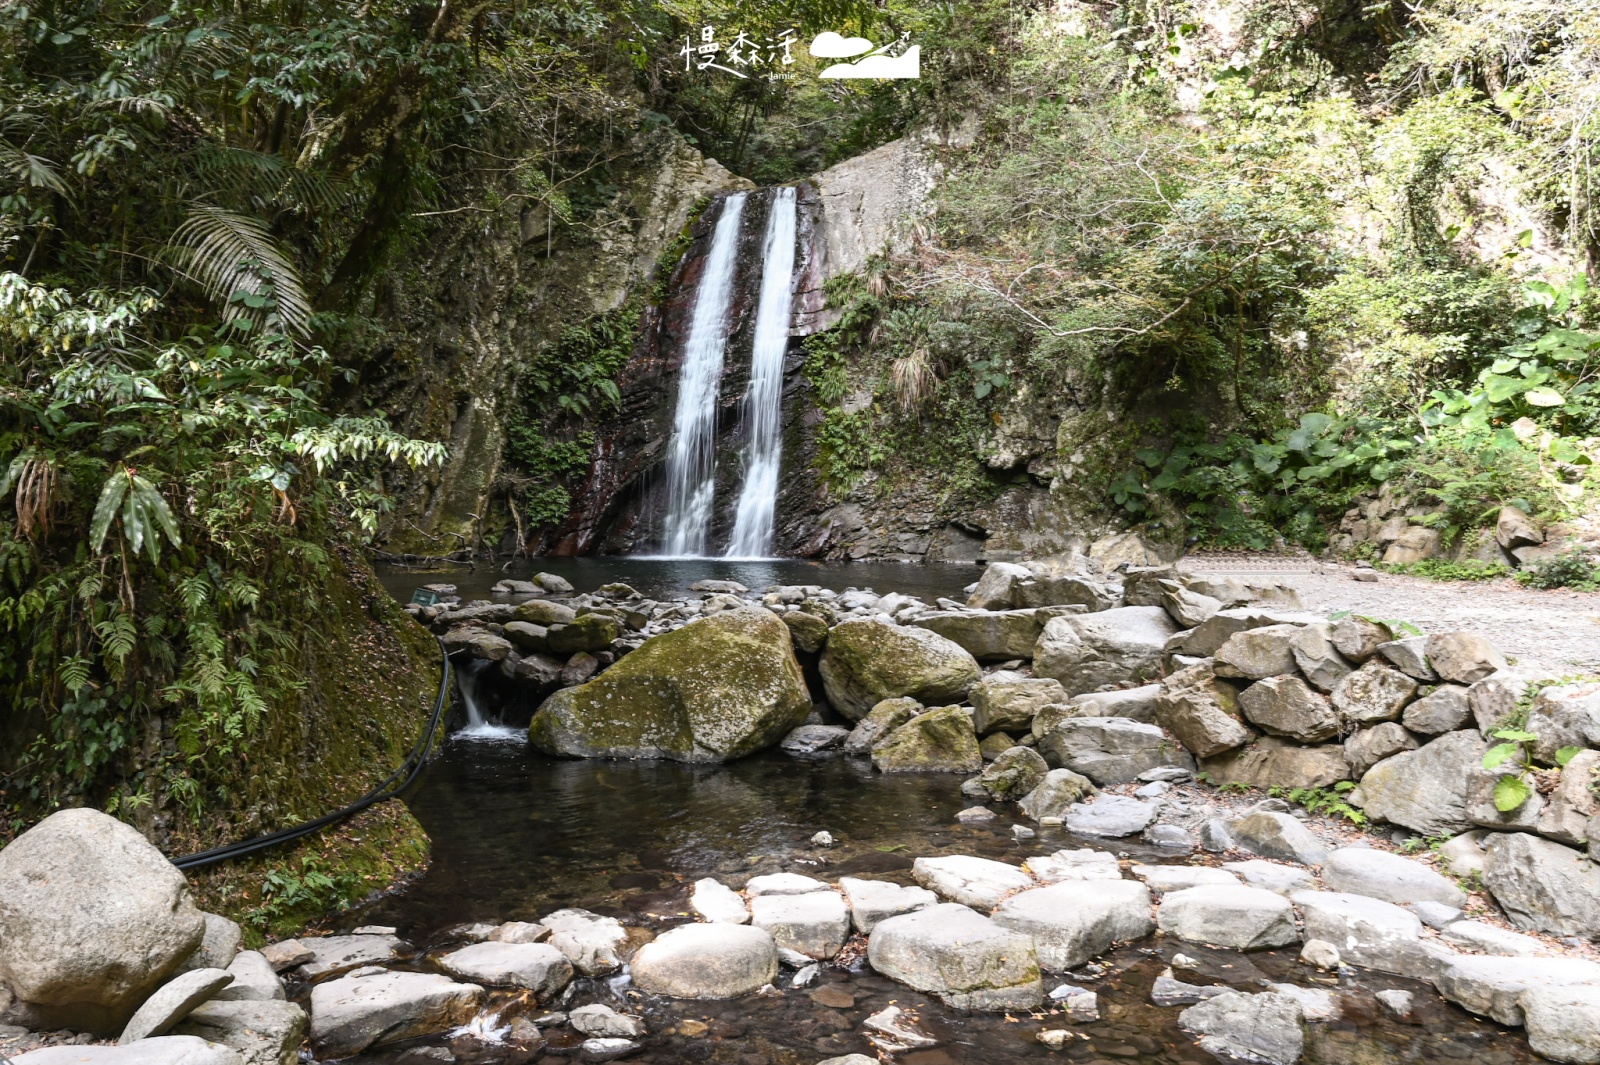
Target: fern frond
[[265, 182], [29, 169], [237, 261]]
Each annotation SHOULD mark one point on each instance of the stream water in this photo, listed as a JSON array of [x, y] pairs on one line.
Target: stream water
[[516, 835]]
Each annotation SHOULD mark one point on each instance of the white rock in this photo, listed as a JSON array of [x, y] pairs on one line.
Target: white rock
[[1563, 1022], [894, 1030], [352, 1013], [591, 942], [1074, 921], [172, 1002], [782, 884], [1487, 939], [1164, 878], [1321, 953], [1243, 918], [1085, 864], [976, 882], [1370, 932], [1493, 986], [253, 980], [965, 958], [707, 961], [1316, 1004], [519, 932], [263, 1031], [539, 967], [718, 903], [1390, 877], [1111, 816], [601, 1020], [163, 1050], [337, 954], [871, 901], [1284, 879], [815, 924]]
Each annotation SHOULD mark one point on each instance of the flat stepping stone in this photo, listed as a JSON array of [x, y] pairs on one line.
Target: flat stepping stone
[[539, 967], [160, 1050], [872, 901], [718, 903], [591, 942], [1243, 918], [954, 952], [1390, 877], [1164, 878], [1283, 879], [782, 884], [337, 954], [815, 924], [707, 961], [352, 1013], [1085, 864], [1111, 816], [1487, 939], [976, 882], [1493, 987], [1074, 921]]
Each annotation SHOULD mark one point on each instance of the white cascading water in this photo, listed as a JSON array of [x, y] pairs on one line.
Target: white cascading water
[[762, 407], [478, 726], [691, 454]]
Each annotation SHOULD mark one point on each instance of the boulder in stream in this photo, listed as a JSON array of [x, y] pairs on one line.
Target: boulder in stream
[[716, 689], [707, 961], [867, 661]]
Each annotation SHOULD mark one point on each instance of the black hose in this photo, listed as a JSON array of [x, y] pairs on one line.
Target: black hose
[[414, 761]]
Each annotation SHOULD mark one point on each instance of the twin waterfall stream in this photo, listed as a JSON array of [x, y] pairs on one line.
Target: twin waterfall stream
[[691, 467]]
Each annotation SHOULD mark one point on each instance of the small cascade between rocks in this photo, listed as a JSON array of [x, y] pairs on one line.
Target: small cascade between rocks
[[762, 407], [479, 727], [691, 455]]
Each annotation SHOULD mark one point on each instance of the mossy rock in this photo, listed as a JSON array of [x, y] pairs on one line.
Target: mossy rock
[[591, 632], [867, 661], [939, 741], [717, 689]]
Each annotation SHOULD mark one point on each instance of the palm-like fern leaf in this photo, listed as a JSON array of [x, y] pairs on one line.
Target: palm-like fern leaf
[[30, 169], [238, 262]]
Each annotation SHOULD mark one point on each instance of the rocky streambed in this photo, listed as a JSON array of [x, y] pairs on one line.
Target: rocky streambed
[[1080, 813]]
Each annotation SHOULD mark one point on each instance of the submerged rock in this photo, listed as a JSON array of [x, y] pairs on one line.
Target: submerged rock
[[867, 661], [1268, 1027], [718, 688]]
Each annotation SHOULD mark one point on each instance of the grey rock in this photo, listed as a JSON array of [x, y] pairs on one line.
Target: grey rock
[[1168, 991], [539, 967], [1074, 921], [1007, 701], [1370, 932], [286, 954], [518, 932], [816, 924], [591, 942], [1425, 790], [938, 741], [872, 901], [879, 722], [218, 947], [1109, 750], [1410, 656], [1016, 772], [1566, 715], [92, 919], [1216, 836], [352, 1013], [1090, 651], [1359, 639], [1367, 747], [812, 739], [1463, 854], [1391, 877], [987, 635], [1396, 1002], [1563, 1022], [1111, 816], [263, 1031], [1207, 637], [894, 1030], [996, 587], [707, 961], [718, 903], [867, 661], [1137, 704], [1267, 1027], [1444, 709], [338, 954], [1494, 987], [1068, 865], [1513, 528], [782, 884], [1287, 706], [608, 1049], [1169, 837], [1315, 1003], [1202, 711], [1164, 878], [1320, 953], [1279, 836], [163, 1050], [1283, 879], [1570, 807], [1542, 885], [809, 632], [975, 882], [1463, 657], [1317, 658], [1481, 808], [1271, 762], [1493, 700], [598, 1019], [1228, 915], [172, 1002], [1487, 939], [1056, 794], [1373, 693], [544, 613], [1434, 914], [966, 959], [1257, 653], [253, 980], [1187, 607], [975, 815]]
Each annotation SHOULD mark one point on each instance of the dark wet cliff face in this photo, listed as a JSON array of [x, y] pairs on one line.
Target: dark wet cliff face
[[622, 501]]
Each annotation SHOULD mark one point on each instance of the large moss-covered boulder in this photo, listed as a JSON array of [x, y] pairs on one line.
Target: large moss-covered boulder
[[719, 688], [939, 741], [867, 661]]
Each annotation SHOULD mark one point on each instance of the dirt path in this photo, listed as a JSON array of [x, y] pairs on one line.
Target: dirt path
[[1555, 630]]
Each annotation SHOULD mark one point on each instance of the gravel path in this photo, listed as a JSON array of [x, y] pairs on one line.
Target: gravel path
[[1557, 630]]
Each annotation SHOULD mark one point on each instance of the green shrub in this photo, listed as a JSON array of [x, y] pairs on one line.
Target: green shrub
[[1438, 569], [1572, 570]]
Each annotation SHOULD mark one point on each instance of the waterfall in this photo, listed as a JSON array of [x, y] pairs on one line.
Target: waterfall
[[691, 455], [480, 727], [762, 407]]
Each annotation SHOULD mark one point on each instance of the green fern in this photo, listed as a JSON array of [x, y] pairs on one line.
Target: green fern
[[236, 260]]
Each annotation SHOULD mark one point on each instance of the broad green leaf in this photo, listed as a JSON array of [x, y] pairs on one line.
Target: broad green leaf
[[1515, 735], [1510, 792], [1544, 397], [1499, 389], [1567, 754], [1497, 755], [105, 511]]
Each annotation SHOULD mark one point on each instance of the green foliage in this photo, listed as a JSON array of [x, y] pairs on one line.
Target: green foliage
[[1438, 569], [1511, 790], [1327, 801], [1574, 570]]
